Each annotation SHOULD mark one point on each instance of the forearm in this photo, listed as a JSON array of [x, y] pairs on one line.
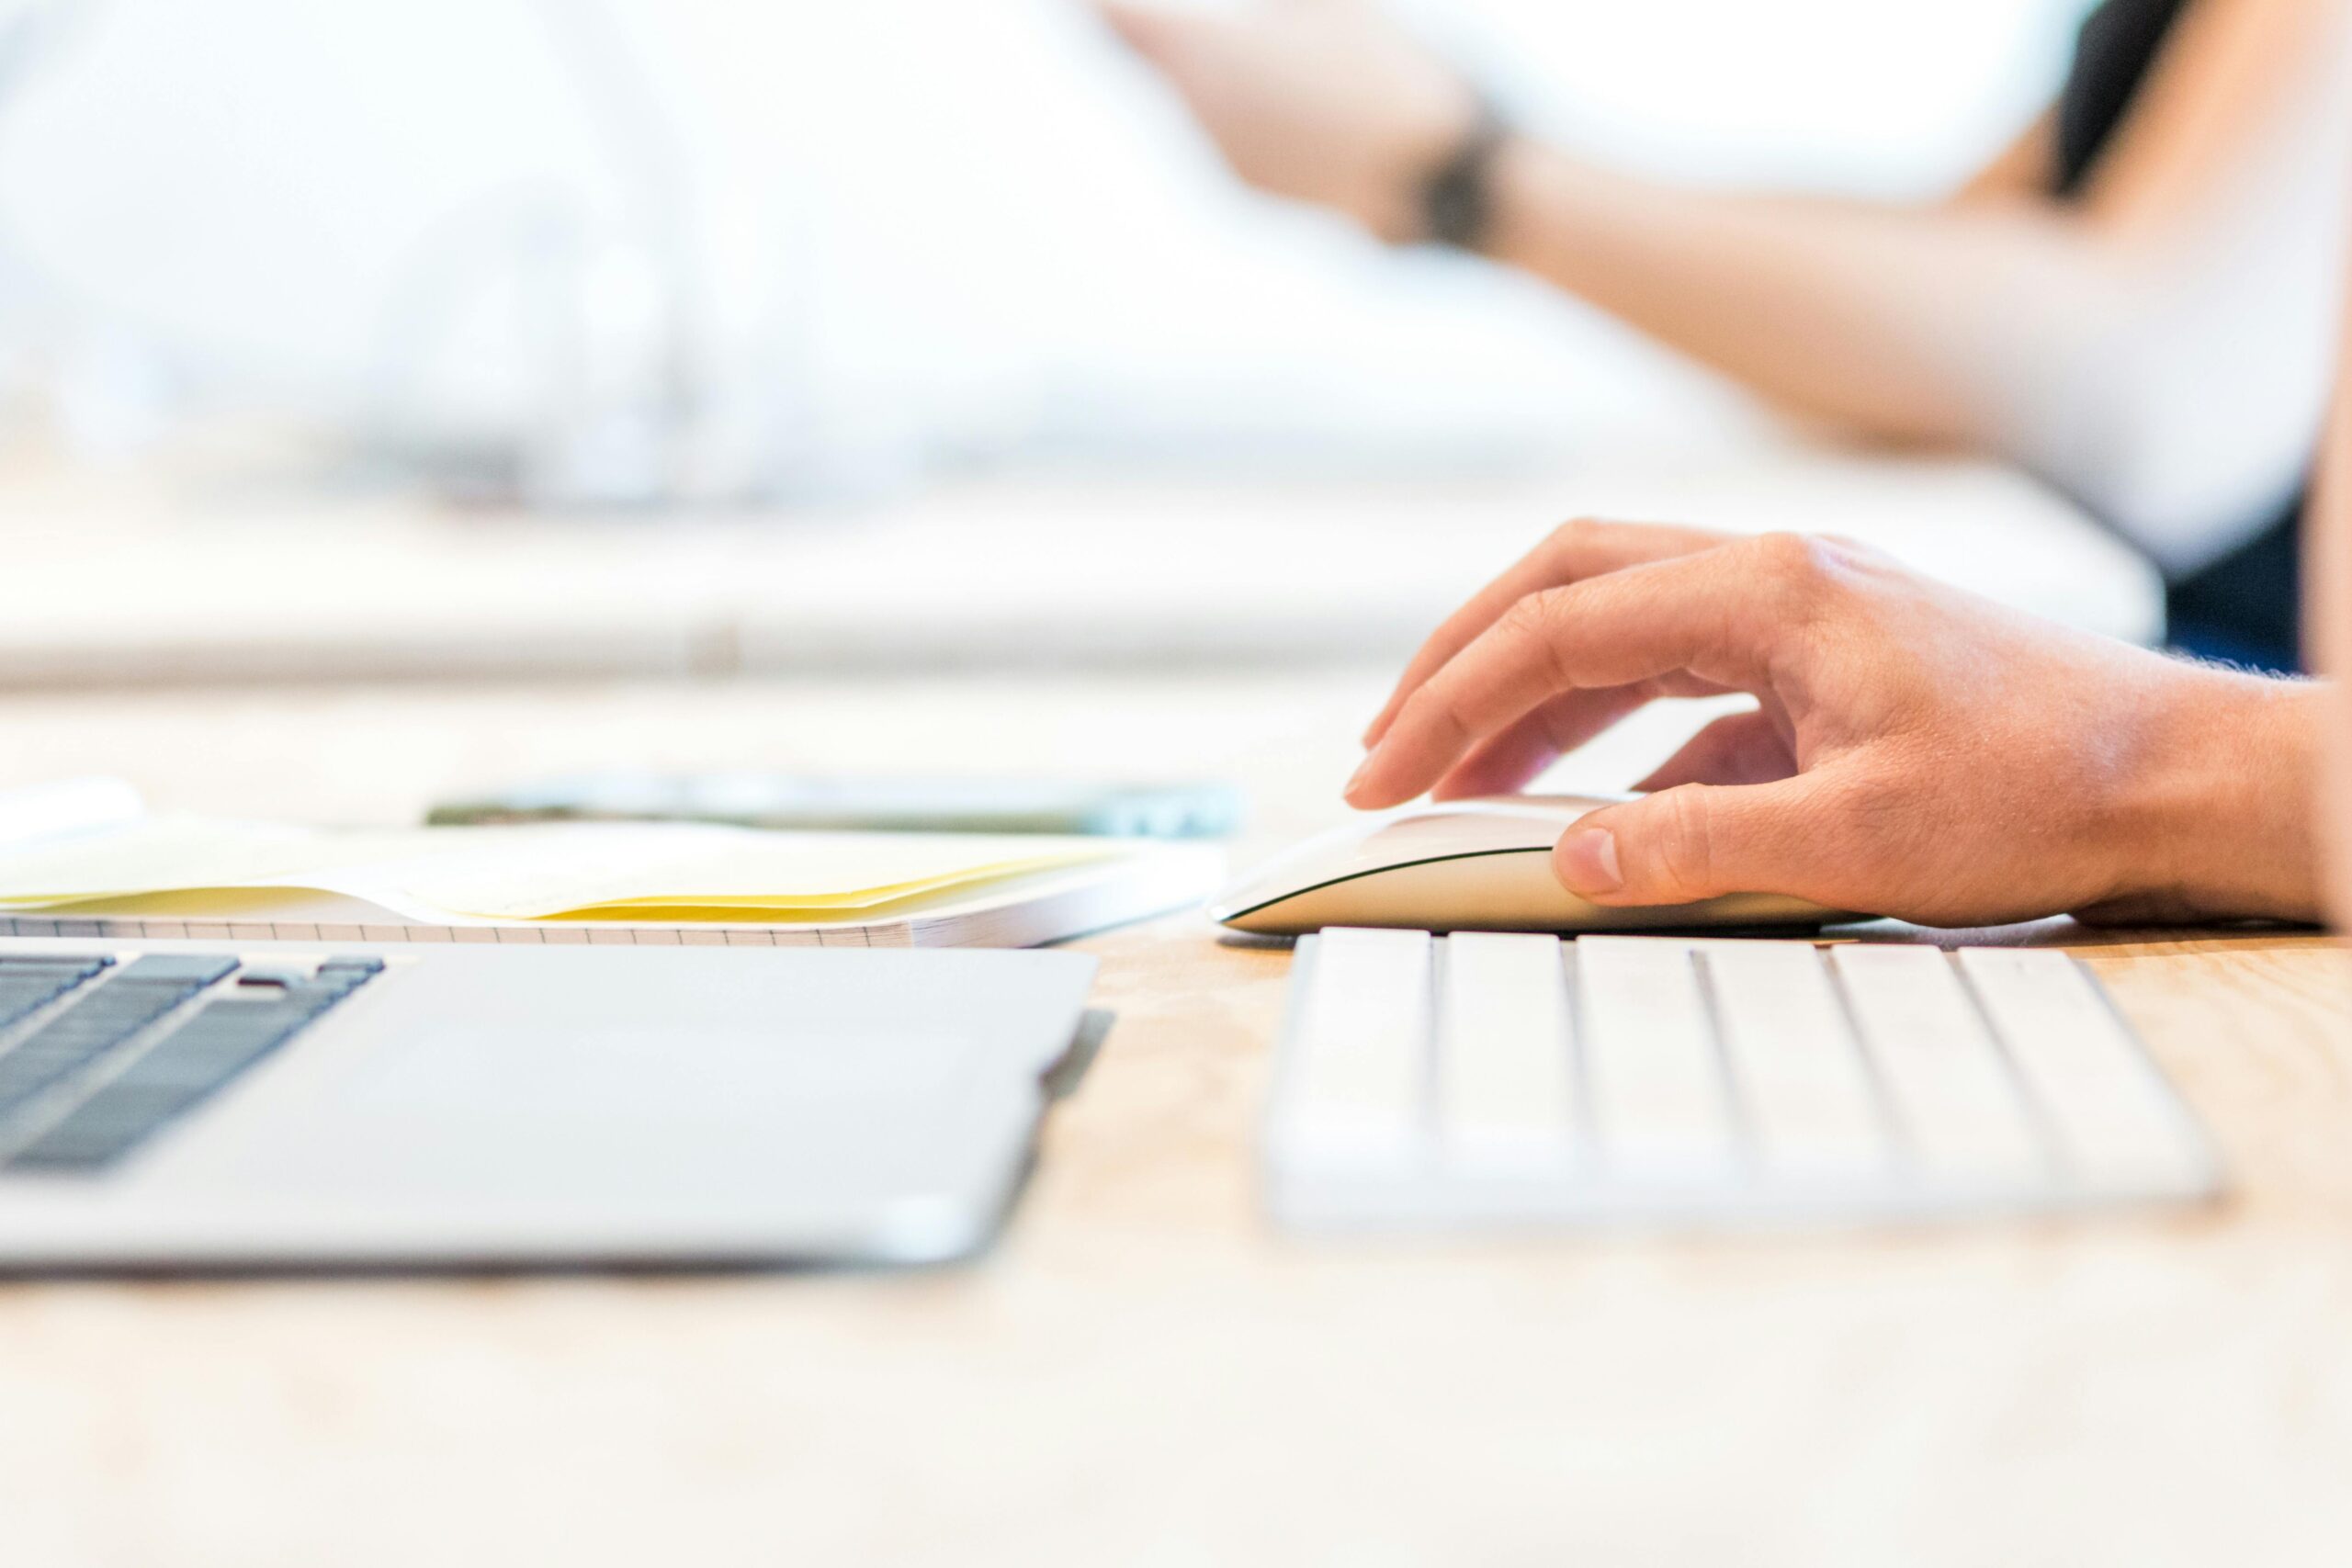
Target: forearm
[[2148, 347], [1911, 324]]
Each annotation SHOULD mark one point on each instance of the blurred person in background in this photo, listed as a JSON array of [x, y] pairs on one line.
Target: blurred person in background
[[2133, 300]]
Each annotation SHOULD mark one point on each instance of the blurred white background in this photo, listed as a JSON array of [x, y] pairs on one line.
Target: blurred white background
[[612, 250]]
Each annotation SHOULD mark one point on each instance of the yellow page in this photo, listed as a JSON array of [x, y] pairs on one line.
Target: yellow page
[[572, 870], [161, 854], [575, 870]]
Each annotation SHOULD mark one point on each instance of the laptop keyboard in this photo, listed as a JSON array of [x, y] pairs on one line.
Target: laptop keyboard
[[116, 1051], [1482, 1079]]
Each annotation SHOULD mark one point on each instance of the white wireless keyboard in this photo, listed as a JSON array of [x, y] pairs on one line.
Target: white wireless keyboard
[[1521, 1080]]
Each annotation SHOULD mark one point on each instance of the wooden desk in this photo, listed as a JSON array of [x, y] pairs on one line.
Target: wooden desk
[[1141, 1373]]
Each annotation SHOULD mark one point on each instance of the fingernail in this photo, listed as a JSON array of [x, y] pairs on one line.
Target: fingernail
[[1586, 862], [1356, 780]]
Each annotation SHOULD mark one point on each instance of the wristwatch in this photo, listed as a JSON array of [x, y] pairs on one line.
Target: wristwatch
[[1457, 198]]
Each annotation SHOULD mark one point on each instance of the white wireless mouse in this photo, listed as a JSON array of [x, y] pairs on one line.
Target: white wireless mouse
[[1466, 865]]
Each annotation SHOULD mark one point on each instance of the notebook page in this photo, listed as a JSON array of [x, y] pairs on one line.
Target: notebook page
[[577, 870], [591, 869]]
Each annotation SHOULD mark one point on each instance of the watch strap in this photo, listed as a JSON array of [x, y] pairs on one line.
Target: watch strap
[[1457, 198]]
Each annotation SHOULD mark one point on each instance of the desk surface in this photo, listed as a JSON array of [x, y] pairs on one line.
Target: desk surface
[[1141, 1373], [182, 572]]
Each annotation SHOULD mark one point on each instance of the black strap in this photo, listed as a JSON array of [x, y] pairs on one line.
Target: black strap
[[1457, 199]]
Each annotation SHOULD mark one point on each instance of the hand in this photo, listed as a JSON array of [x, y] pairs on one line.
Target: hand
[[1915, 752], [1323, 101]]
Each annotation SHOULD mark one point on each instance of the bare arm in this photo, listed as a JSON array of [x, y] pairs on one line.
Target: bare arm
[[2152, 347], [2327, 609], [2020, 171], [1912, 750]]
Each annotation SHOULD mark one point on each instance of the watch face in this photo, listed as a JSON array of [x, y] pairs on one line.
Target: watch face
[[1456, 212], [1455, 204]]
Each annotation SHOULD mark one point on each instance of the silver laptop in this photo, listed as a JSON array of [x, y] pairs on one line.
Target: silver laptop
[[185, 1104]]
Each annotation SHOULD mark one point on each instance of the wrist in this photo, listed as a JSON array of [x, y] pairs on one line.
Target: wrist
[[1400, 170], [2211, 817], [1456, 195]]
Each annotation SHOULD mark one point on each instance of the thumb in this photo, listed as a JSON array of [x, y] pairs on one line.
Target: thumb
[[1698, 842]]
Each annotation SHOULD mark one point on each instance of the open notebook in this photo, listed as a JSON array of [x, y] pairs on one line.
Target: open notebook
[[84, 859]]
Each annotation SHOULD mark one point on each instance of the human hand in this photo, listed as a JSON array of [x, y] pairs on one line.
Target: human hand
[[1325, 101], [1915, 751]]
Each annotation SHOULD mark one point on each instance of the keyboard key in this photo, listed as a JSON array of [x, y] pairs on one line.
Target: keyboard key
[[1359, 1065], [1954, 1096], [24, 1074], [2118, 1125], [1506, 1100], [202, 1054], [228, 1026], [360, 963], [89, 1022], [104, 1128], [191, 969], [30, 991], [78, 969], [89, 964], [1652, 1069], [1795, 1066], [59, 979], [96, 1023], [23, 996]]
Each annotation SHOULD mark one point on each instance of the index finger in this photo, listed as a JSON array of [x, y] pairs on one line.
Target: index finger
[[1570, 553], [1714, 616]]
